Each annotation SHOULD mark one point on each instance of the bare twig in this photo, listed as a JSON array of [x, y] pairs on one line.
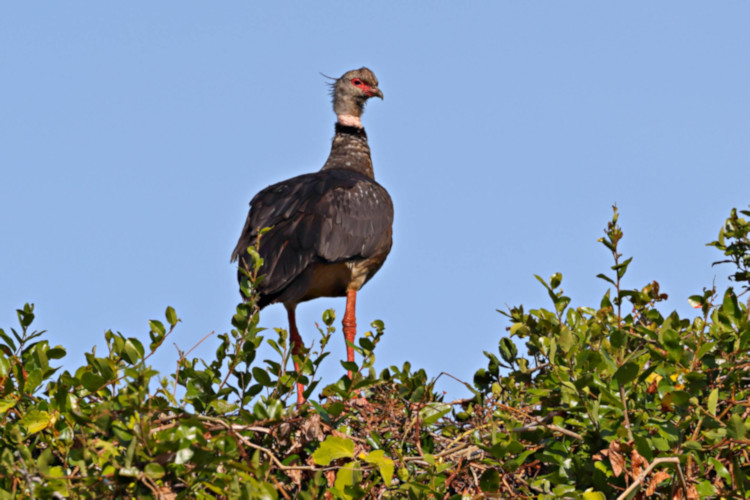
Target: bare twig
[[183, 356], [454, 378], [664, 460], [275, 460]]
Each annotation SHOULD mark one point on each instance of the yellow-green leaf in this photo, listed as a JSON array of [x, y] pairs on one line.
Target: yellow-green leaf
[[154, 470], [333, 448], [6, 404], [35, 421], [384, 464], [432, 412], [713, 398], [594, 495], [346, 476]]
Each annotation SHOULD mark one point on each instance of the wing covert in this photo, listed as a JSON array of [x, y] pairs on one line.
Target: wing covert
[[328, 216]]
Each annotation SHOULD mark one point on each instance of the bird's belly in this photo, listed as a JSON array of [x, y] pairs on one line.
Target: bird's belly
[[334, 279], [328, 280]]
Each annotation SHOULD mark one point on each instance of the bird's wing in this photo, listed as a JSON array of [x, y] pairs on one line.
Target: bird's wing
[[352, 220], [273, 205], [328, 216]]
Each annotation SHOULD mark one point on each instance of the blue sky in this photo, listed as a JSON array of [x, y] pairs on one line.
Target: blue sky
[[133, 135]]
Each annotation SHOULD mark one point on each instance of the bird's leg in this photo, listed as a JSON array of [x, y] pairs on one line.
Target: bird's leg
[[350, 324], [297, 345]]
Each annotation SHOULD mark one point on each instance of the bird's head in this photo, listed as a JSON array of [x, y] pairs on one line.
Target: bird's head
[[350, 93]]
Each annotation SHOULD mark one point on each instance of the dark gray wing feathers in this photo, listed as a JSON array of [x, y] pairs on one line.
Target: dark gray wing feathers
[[327, 216]]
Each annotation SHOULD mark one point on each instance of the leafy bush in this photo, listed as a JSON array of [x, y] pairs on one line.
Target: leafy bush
[[612, 401]]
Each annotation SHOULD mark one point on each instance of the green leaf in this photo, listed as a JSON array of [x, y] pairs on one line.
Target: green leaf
[[593, 495], [183, 456], [91, 381], [720, 469], [6, 404], [346, 476], [692, 445], [433, 412], [552, 349], [384, 464], [329, 316], [606, 278], [56, 353], [222, 407], [171, 316], [333, 448], [670, 340], [730, 305], [262, 377], [696, 301], [418, 394], [622, 267], [154, 470], [705, 489], [555, 280], [8, 341], [539, 278], [713, 399], [258, 490], [157, 327], [561, 303], [508, 350], [490, 480], [567, 339], [350, 366], [736, 427], [627, 372], [366, 344], [35, 421], [617, 338], [43, 461], [26, 315], [680, 398], [4, 365], [129, 472], [713, 436], [133, 350], [606, 244]]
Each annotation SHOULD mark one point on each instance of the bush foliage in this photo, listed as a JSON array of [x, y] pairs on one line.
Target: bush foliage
[[615, 400]]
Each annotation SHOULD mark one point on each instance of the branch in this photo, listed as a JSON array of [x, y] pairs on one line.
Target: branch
[[184, 356], [625, 412], [561, 430], [642, 476]]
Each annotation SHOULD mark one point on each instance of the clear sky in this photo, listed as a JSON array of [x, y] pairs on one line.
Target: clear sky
[[133, 135]]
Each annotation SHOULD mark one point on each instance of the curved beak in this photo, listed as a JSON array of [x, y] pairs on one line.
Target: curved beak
[[375, 92]]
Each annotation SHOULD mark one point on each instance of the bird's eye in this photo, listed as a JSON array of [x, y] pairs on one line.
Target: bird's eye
[[357, 82]]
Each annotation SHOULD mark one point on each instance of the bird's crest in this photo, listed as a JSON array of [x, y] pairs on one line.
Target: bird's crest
[[331, 83]]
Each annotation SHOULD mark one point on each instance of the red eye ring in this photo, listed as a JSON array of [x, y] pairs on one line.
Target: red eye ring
[[357, 82]]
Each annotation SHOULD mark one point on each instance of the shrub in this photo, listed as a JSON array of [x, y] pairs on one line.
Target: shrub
[[612, 401]]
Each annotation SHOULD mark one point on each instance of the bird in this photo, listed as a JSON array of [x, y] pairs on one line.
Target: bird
[[331, 230]]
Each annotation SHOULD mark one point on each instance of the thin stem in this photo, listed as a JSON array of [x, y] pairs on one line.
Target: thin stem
[[664, 460]]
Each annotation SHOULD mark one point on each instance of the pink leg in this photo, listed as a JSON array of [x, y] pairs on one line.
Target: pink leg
[[350, 324], [296, 348]]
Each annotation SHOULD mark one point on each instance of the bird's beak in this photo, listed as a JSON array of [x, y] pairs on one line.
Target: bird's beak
[[376, 92]]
